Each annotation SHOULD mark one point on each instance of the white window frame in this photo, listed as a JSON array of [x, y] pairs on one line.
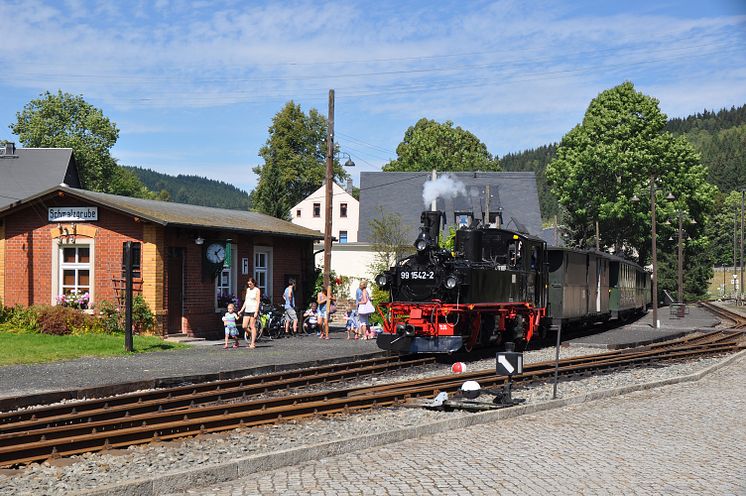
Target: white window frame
[[266, 290], [227, 274], [58, 266]]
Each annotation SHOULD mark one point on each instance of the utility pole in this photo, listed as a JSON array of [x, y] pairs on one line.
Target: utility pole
[[655, 253], [598, 237], [681, 260], [735, 244], [743, 195], [329, 179]]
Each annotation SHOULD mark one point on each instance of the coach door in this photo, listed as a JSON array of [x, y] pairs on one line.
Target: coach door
[[175, 289]]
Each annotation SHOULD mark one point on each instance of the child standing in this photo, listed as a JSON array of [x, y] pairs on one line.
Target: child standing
[[229, 321], [351, 326]]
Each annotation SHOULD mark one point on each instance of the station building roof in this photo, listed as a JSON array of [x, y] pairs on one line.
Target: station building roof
[[177, 214], [25, 172]]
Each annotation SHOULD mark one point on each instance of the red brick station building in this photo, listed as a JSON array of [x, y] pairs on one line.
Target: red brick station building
[[187, 258]]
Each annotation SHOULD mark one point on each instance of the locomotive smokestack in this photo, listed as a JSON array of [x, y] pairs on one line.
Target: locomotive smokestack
[[431, 224]]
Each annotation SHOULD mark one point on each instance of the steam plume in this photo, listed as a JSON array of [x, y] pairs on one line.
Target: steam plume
[[443, 187]]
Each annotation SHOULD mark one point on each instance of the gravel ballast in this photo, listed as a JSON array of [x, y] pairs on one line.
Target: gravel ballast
[[90, 471]]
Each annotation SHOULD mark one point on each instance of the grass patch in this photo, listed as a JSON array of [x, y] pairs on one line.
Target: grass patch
[[38, 348]]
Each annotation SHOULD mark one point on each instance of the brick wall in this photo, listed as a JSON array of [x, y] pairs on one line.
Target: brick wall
[[2, 263], [30, 244]]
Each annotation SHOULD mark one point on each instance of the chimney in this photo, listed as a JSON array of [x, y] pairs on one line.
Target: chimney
[[8, 149], [348, 187]]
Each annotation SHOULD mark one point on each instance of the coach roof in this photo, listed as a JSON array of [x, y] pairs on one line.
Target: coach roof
[[179, 214]]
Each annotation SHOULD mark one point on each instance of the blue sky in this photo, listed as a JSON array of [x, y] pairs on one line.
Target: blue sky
[[193, 85]]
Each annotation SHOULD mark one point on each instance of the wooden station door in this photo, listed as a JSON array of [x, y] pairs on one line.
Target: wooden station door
[[175, 289]]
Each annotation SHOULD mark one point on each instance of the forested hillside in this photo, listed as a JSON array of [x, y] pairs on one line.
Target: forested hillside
[[720, 137], [193, 190]]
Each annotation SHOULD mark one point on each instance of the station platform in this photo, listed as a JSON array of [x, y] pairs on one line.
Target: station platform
[[672, 324], [24, 385]]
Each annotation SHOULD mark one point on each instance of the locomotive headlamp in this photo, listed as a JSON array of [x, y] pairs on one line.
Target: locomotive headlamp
[[422, 242], [451, 282], [381, 280]]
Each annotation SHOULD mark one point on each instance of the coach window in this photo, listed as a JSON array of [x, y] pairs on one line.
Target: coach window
[[317, 209]]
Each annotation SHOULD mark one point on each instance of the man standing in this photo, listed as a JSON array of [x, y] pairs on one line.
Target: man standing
[[290, 315]]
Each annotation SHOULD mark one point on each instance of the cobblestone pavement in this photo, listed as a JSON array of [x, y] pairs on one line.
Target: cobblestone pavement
[[688, 438]]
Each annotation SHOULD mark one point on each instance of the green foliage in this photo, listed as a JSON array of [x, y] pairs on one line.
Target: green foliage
[[125, 182], [63, 320], [63, 120], [720, 229], [448, 242], [294, 161], [431, 145], [724, 153], [607, 159], [340, 284], [19, 319], [193, 190], [389, 240], [378, 296], [109, 317], [143, 319]]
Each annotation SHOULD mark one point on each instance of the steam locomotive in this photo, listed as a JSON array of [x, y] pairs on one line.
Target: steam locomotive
[[500, 285]]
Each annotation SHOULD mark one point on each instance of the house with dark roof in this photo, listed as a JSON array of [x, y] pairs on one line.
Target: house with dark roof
[[27, 171], [188, 261], [511, 197]]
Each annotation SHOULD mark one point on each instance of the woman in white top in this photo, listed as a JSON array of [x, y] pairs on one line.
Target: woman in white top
[[250, 309]]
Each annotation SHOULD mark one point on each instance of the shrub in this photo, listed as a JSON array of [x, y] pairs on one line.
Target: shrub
[[19, 319], [109, 318], [60, 320], [142, 317]]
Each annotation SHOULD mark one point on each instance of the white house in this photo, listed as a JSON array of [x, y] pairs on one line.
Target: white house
[[349, 258], [310, 213]]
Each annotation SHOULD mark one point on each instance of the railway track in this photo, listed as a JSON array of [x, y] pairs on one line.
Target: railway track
[[738, 319], [27, 439]]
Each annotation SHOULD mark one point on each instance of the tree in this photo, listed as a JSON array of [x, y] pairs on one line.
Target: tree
[[294, 161], [720, 229], [63, 120], [389, 240], [431, 145], [602, 163]]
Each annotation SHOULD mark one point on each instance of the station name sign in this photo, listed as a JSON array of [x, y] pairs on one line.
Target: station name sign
[[73, 214]]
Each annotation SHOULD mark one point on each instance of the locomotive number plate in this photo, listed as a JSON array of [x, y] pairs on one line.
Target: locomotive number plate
[[419, 275]]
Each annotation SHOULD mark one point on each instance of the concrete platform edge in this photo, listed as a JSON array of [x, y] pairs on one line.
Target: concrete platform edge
[[9, 403], [179, 481]]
